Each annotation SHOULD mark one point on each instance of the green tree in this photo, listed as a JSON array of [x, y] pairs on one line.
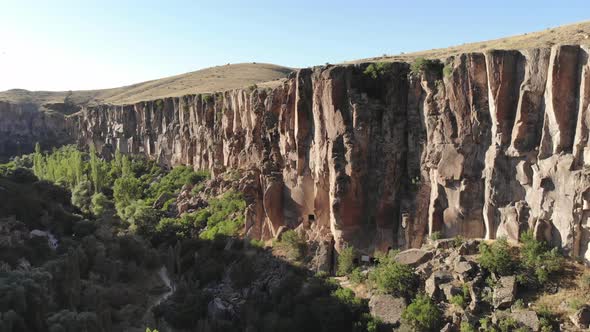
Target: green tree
[[292, 245], [97, 170], [143, 218], [100, 204], [392, 277], [422, 314], [125, 191], [38, 162], [497, 257], [346, 261], [538, 260], [81, 196]]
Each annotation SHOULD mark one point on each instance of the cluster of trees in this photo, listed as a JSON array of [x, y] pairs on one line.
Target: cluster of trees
[[534, 262], [87, 280]]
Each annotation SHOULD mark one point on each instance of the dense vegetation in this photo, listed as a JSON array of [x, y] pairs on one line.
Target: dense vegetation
[[534, 262], [116, 223], [421, 65], [378, 69]]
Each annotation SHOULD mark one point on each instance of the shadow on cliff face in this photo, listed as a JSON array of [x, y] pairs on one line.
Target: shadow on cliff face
[[101, 279]]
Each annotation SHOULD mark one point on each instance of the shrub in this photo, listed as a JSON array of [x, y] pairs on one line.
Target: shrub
[[81, 196], [172, 182], [538, 261], [356, 276], [143, 218], [508, 324], [257, 243], [159, 105], [497, 257], [466, 327], [100, 204], [448, 70], [576, 303], [292, 244], [125, 191], [346, 261], [435, 236], [225, 216], [346, 296], [458, 241], [421, 65], [422, 314], [378, 69], [459, 301], [518, 304], [548, 321], [462, 299], [392, 277], [206, 98], [373, 324]]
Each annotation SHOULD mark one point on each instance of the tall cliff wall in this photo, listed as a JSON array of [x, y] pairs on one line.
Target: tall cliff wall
[[23, 125], [496, 145]]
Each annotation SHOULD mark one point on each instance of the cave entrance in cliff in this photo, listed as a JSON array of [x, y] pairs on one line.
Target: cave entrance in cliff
[[311, 217]]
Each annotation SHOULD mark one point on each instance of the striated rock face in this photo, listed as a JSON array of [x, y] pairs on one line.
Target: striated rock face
[[22, 126], [493, 147]]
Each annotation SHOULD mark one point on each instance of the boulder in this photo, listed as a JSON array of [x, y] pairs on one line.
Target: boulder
[[219, 310], [469, 247], [387, 308], [504, 292], [321, 261], [431, 285], [464, 270], [450, 290], [414, 257], [527, 318], [447, 328], [444, 244], [581, 318]]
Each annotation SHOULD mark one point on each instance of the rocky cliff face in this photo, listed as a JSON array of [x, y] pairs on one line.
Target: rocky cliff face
[[496, 145], [22, 126]]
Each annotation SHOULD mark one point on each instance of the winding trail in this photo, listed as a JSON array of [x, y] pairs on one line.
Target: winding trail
[[51, 239], [163, 273]]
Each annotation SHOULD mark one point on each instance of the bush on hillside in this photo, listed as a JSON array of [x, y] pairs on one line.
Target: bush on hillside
[[126, 190], [421, 65], [225, 216], [422, 314], [346, 261], [292, 245], [82, 195], [394, 278], [538, 261], [497, 258], [100, 204], [378, 69]]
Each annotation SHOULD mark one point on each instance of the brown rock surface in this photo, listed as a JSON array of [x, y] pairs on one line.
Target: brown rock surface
[[497, 146]]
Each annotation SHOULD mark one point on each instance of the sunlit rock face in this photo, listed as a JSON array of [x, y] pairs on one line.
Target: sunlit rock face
[[493, 145]]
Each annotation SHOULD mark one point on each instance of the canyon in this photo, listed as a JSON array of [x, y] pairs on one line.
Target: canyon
[[479, 145]]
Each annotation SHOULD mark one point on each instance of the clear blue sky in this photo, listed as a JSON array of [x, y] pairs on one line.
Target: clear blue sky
[[62, 45]]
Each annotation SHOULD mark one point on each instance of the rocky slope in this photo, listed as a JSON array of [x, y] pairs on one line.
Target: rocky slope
[[496, 144]]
